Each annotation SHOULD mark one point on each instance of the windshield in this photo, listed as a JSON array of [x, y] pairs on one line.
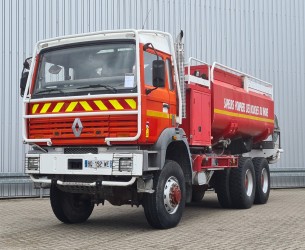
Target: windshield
[[90, 69]]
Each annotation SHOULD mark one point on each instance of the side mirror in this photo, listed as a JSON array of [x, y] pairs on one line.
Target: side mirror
[[25, 74], [23, 80], [27, 63], [158, 73]]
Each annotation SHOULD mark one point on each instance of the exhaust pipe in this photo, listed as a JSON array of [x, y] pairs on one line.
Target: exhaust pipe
[[179, 47]]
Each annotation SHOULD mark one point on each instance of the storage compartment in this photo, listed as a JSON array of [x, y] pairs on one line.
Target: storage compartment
[[197, 124]]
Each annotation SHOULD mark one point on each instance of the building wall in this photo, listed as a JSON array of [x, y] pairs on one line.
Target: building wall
[[263, 37]]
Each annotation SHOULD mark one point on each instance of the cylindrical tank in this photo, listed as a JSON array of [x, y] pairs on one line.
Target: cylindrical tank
[[226, 110], [237, 112]]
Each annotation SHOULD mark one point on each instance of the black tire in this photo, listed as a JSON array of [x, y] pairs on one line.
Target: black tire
[[222, 188], [198, 192], [56, 204], [262, 174], [243, 184], [70, 207], [157, 211]]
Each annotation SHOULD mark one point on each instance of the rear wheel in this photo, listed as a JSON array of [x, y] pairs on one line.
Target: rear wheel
[[262, 174], [70, 207], [222, 188], [243, 184], [164, 208]]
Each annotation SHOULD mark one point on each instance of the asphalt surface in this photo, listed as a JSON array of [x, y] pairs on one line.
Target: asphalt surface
[[280, 224]]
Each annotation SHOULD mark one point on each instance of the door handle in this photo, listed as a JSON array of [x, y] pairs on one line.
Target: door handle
[[165, 105]]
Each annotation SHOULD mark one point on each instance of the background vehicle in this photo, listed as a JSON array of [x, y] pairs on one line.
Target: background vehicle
[[117, 116]]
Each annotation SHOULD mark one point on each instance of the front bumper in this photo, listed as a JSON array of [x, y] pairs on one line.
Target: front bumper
[[44, 167], [86, 184]]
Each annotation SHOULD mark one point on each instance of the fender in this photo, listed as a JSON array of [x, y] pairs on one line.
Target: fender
[[172, 144], [165, 139]]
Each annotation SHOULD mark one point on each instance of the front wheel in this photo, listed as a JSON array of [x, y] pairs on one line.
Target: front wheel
[[163, 208], [70, 207]]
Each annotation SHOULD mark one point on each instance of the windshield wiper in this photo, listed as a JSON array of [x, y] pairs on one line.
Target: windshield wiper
[[48, 91], [113, 89]]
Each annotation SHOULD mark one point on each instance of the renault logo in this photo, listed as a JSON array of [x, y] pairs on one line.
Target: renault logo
[[77, 127]]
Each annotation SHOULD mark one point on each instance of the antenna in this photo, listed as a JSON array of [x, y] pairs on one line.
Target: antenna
[[146, 19]]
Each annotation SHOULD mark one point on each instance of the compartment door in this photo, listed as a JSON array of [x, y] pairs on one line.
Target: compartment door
[[200, 115]]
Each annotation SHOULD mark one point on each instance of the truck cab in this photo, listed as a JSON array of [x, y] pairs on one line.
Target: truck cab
[[95, 106], [108, 75]]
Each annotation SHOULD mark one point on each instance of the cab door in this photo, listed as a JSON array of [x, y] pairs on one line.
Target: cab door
[[172, 87], [157, 101]]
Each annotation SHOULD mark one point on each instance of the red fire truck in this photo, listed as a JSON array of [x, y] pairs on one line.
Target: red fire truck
[[118, 116]]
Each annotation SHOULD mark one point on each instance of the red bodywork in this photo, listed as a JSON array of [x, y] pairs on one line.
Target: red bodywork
[[97, 128], [203, 162], [197, 124], [226, 110]]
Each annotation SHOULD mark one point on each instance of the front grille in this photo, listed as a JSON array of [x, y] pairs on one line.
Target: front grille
[[80, 150], [95, 129]]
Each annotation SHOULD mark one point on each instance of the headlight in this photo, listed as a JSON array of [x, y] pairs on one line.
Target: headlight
[[33, 163], [125, 164]]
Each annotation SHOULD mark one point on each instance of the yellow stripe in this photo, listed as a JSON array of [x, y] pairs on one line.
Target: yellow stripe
[[45, 108], [154, 113], [116, 104], [251, 117], [132, 103], [58, 107], [71, 106], [86, 106], [100, 105], [34, 108]]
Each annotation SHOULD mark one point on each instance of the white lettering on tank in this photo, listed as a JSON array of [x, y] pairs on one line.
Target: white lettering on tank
[[228, 104], [245, 107]]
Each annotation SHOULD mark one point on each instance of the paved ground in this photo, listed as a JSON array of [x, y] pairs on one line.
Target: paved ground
[[280, 224]]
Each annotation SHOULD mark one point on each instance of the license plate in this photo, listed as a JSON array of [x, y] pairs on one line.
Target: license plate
[[96, 164]]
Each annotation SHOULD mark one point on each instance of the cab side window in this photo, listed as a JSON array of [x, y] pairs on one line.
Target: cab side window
[[168, 66], [148, 61]]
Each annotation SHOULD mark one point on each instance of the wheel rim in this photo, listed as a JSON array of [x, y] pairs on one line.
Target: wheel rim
[[171, 195], [249, 183], [264, 180]]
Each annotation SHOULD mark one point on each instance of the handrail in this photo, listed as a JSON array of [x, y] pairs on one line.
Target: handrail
[[82, 114], [191, 78], [250, 82], [81, 97]]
